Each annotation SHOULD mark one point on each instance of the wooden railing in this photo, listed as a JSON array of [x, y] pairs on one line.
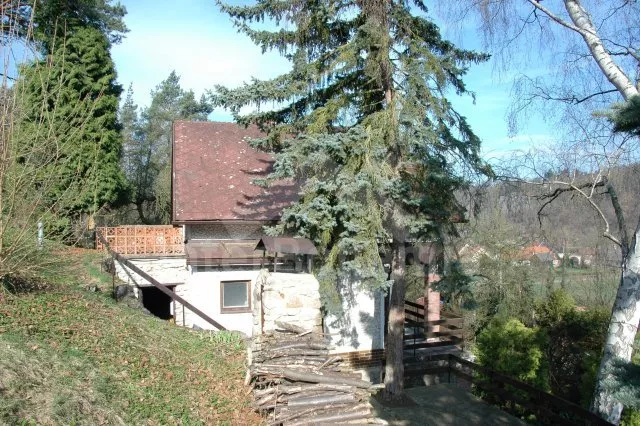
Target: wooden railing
[[511, 395], [154, 240], [435, 333], [127, 264]]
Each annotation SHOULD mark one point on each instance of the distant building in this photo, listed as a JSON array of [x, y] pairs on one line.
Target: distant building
[[538, 254]]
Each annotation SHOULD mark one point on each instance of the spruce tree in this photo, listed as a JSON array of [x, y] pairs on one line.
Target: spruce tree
[[48, 21], [361, 119], [72, 97], [626, 117]]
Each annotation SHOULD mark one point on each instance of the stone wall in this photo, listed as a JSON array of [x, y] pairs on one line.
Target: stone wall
[[167, 270], [291, 298]]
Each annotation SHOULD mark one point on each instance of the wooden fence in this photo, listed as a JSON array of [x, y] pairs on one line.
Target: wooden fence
[[158, 240], [446, 331], [510, 394]]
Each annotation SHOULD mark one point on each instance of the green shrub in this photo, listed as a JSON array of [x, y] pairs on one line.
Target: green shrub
[[515, 350], [554, 308], [574, 350], [630, 418]]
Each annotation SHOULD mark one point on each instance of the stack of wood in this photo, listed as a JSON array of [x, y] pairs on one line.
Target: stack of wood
[[297, 382]]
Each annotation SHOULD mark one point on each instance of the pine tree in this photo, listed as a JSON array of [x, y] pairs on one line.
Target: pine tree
[[132, 153], [626, 117], [148, 141], [362, 119], [130, 131], [74, 91]]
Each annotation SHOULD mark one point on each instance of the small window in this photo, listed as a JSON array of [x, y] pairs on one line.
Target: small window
[[235, 296]]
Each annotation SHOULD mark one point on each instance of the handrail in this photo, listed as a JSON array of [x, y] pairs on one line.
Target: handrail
[[493, 385], [413, 305], [125, 262], [547, 397]]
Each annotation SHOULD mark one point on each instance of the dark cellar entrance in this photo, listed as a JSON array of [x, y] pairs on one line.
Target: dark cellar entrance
[[156, 302]]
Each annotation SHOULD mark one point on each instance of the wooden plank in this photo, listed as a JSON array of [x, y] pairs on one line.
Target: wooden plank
[[561, 404], [457, 322], [412, 323], [414, 317], [457, 332], [413, 305], [450, 322], [413, 336], [159, 286], [450, 342], [437, 328], [538, 410], [414, 313]]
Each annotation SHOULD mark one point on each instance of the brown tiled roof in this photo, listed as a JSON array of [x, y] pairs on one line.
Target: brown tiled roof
[[213, 171]]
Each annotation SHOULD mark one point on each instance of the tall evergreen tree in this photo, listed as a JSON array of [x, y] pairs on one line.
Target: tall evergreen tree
[[51, 20], [75, 93], [362, 119], [148, 141], [130, 131]]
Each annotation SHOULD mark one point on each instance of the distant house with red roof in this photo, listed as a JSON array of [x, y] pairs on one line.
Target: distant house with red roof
[[538, 254]]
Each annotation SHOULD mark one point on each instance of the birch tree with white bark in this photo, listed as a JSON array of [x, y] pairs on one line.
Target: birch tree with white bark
[[569, 60]]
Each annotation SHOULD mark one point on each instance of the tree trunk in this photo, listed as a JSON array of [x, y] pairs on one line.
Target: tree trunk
[[140, 209], [621, 333], [394, 368], [581, 19]]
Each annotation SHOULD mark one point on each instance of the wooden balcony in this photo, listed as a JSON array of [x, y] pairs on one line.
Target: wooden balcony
[[142, 240]]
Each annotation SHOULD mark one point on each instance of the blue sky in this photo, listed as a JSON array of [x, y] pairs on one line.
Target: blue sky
[[201, 45]]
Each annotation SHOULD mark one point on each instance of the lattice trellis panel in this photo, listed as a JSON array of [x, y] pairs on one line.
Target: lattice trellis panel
[[143, 240]]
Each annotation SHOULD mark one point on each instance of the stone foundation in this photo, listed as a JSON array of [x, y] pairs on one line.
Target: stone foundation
[[290, 298]]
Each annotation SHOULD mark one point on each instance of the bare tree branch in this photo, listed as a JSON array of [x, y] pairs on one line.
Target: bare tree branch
[[565, 187], [617, 208], [556, 18]]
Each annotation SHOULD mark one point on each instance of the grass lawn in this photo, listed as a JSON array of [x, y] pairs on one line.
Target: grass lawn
[[593, 287], [70, 356]]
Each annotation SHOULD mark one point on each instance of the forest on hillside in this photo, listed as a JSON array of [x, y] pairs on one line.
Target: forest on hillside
[[568, 223], [364, 120]]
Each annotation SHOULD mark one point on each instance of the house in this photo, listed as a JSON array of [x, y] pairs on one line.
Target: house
[[228, 267], [538, 254]]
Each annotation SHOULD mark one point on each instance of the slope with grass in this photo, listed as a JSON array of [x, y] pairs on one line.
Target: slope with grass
[[70, 356]]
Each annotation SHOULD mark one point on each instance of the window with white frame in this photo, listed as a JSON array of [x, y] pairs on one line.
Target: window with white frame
[[235, 296]]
